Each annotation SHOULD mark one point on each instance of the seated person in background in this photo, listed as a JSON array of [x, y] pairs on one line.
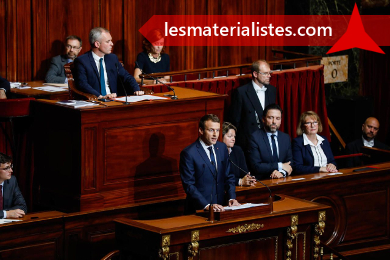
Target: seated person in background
[[12, 204], [370, 129], [270, 149], [204, 170], [5, 88], [153, 59], [237, 158], [311, 152], [97, 72], [56, 73]]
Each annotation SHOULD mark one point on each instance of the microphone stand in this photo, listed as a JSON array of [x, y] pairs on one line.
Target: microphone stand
[[123, 86], [270, 198], [174, 97]]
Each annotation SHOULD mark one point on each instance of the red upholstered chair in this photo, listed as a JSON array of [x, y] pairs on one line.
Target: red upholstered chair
[[9, 110]]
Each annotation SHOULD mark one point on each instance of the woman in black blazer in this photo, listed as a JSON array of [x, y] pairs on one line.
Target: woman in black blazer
[[236, 156], [311, 152]]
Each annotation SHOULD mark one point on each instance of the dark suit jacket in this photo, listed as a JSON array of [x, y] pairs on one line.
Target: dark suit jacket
[[245, 103], [237, 156], [260, 154], [12, 197], [56, 72], [303, 156], [200, 179], [356, 147], [87, 78], [4, 83]]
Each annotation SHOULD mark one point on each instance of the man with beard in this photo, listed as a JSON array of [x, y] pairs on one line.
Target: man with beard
[[270, 152], [370, 129], [56, 73]]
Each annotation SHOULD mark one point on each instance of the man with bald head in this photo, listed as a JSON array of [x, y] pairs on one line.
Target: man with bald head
[[370, 129], [249, 101]]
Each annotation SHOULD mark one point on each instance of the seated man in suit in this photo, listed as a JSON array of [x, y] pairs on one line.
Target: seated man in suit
[[12, 204], [270, 152], [204, 170], [4, 88], [56, 73], [370, 129], [97, 72], [249, 101]]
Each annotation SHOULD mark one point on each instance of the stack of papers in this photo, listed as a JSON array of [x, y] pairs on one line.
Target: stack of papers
[[76, 103], [52, 89], [244, 206], [6, 221], [18, 85], [138, 98]]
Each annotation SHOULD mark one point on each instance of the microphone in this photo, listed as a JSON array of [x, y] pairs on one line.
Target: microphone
[[123, 86], [270, 193], [156, 79]]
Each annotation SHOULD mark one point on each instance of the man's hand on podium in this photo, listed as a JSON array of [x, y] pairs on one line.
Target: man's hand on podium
[[233, 203]]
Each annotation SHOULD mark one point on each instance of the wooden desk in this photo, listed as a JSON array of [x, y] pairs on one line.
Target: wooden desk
[[38, 236], [39, 94], [359, 220], [252, 237], [100, 157]]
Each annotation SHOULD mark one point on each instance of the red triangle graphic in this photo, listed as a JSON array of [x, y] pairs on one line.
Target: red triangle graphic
[[355, 37]]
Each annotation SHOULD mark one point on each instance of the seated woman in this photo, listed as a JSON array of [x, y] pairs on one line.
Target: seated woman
[[152, 59], [311, 152], [238, 164]]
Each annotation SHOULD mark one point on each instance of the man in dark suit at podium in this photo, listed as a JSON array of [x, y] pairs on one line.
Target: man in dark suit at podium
[[97, 72], [204, 170], [370, 129], [249, 101], [270, 151], [12, 204]]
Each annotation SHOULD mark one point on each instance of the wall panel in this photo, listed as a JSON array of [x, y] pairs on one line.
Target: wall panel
[[34, 31]]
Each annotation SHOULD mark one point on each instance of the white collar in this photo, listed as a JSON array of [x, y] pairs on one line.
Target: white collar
[[96, 57], [258, 88], [306, 140]]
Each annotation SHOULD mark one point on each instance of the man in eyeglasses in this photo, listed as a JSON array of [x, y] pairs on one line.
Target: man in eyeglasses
[[56, 73], [370, 129], [249, 101], [12, 203]]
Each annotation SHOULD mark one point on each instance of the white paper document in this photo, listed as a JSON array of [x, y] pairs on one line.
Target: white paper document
[[334, 173], [50, 89], [139, 98], [62, 85], [6, 221], [76, 103], [297, 179], [244, 206], [18, 85]]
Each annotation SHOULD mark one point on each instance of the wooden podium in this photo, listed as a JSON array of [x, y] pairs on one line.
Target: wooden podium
[[114, 154], [291, 232]]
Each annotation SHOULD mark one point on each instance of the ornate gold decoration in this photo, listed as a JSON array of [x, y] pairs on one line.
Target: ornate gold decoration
[[174, 255], [163, 253], [303, 245], [245, 228], [291, 234], [319, 230], [193, 247]]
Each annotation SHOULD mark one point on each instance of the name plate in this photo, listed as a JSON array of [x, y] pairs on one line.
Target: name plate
[[335, 68]]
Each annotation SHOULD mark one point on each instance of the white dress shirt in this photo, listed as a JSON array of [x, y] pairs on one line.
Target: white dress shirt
[[96, 58], [320, 159], [260, 91]]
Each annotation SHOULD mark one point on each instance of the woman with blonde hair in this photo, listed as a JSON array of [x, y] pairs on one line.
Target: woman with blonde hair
[[311, 151]]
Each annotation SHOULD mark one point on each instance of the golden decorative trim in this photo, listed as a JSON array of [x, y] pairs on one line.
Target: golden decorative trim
[[163, 253], [291, 234], [303, 246], [193, 247], [319, 230], [245, 228]]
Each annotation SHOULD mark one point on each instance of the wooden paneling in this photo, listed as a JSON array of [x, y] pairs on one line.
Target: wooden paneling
[[33, 31]]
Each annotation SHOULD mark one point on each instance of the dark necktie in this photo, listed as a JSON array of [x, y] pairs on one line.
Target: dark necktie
[[1, 197], [102, 80], [212, 158], [274, 149]]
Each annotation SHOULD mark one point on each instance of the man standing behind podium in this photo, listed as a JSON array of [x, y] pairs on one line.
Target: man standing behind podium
[[56, 72], [12, 204], [99, 72], [204, 170]]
